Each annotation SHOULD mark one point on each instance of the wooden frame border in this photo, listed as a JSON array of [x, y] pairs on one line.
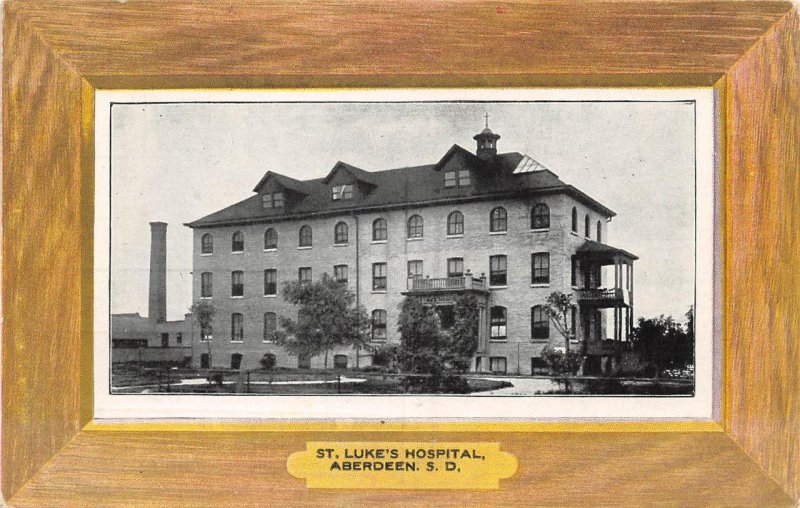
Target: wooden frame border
[[57, 53]]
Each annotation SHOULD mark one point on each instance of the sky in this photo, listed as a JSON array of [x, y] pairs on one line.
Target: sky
[[178, 162]]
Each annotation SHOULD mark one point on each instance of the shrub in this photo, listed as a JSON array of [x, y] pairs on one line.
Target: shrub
[[562, 363], [268, 361]]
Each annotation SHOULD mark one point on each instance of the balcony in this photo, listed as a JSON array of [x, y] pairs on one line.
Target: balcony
[[604, 297], [465, 282]]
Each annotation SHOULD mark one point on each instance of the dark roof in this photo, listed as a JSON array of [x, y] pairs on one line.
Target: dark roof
[[600, 250], [417, 186], [357, 173], [285, 181]]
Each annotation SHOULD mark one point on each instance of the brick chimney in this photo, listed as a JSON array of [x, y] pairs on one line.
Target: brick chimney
[[157, 309]]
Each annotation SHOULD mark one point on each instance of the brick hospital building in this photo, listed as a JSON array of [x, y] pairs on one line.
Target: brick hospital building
[[500, 226]]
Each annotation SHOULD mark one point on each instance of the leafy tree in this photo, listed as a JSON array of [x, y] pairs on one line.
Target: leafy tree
[[326, 318], [662, 342], [559, 307], [267, 361], [441, 355], [203, 313]]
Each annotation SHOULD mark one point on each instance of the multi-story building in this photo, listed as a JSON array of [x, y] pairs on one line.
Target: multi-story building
[[500, 226]]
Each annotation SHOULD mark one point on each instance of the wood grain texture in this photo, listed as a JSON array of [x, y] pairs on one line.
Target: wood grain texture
[[55, 53], [765, 264], [41, 253], [423, 38], [249, 469]]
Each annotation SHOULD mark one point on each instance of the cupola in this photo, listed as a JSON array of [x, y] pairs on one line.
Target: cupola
[[487, 142]]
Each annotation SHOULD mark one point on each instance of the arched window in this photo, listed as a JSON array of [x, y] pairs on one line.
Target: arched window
[[340, 233], [574, 220], [207, 244], [270, 326], [455, 223], [498, 219], [540, 216], [498, 319], [586, 226], [237, 327], [379, 325], [599, 232], [305, 236], [379, 230], [540, 327], [415, 226], [271, 239], [237, 242]]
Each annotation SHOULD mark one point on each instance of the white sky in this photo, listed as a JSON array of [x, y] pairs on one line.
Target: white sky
[[178, 162]]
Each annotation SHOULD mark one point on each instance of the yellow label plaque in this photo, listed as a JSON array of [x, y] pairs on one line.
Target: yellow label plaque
[[415, 465]]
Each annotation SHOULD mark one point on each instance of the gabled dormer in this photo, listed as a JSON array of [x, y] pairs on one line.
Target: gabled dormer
[[278, 192], [348, 183], [458, 168]]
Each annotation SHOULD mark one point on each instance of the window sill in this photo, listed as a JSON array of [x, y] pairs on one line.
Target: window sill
[[206, 297], [206, 253], [237, 297], [574, 233], [498, 232], [237, 342], [271, 250], [271, 296], [205, 340], [456, 236], [305, 247], [498, 287], [378, 241], [540, 230], [540, 341], [498, 341], [415, 239], [379, 291], [268, 342], [237, 252], [341, 245], [541, 285]]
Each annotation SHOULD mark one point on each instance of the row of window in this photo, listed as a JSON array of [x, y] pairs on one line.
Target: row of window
[[587, 225], [498, 274], [498, 222], [498, 331]]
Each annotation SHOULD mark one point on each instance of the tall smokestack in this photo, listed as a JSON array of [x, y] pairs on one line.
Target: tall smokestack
[[157, 310]]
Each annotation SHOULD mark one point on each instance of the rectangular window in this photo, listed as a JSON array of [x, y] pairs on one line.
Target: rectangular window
[[415, 269], [237, 283], [206, 285], [498, 270], [455, 267], [237, 327], [540, 268], [379, 276], [498, 329], [179, 338], [270, 282], [573, 318], [574, 272], [497, 364], [270, 326], [463, 178], [273, 200], [342, 192], [450, 179], [340, 273], [379, 325], [304, 274], [459, 178]]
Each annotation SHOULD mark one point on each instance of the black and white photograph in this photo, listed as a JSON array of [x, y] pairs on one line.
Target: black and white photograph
[[458, 247]]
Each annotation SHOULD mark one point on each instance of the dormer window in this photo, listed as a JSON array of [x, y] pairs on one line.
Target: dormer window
[[272, 200], [342, 192], [456, 178]]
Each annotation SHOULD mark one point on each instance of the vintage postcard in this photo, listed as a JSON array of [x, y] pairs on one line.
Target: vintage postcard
[[420, 254]]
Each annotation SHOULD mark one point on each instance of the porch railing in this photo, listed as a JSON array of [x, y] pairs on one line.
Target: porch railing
[[463, 282]]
